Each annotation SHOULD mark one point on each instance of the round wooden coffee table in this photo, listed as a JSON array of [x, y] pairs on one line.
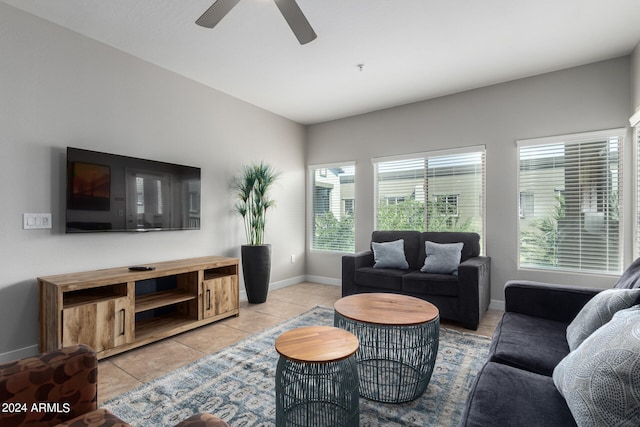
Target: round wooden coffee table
[[317, 378], [399, 338]]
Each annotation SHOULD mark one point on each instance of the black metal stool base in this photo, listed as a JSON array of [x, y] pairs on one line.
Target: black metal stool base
[[317, 394], [395, 362]]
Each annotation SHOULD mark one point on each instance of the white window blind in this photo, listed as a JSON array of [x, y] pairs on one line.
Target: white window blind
[[400, 186], [441, 191], [332, 207], [571, 220]]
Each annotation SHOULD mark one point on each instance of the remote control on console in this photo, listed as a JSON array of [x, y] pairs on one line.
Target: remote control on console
[[141, 268]]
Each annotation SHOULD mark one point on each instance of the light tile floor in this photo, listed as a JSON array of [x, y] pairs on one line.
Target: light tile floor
[[123, 372]]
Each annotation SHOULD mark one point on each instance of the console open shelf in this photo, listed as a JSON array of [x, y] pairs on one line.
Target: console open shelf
[[162, 299], [93, 295], [115, 310]]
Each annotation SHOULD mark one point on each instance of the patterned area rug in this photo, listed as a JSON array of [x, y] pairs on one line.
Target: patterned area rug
[[237, 384]]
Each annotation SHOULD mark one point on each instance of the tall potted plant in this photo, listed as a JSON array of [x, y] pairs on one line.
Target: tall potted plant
[[252, 188]]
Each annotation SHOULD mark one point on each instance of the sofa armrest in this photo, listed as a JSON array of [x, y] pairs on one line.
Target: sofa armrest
[[546, 300], [62, 384], [350, 263], [474, 277]]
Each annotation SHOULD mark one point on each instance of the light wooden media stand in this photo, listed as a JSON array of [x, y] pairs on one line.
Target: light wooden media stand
[[116, 309]]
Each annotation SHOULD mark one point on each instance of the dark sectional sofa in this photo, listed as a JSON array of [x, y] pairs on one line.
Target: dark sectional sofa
[[515, 387], [463, 298]]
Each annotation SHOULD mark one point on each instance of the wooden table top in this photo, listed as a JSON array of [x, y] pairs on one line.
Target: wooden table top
[[386, 309], [317, 344]]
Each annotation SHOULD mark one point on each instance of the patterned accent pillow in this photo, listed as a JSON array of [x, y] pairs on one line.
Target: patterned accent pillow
[[389, 255], [601, 379], [598, 311], [442, 258]]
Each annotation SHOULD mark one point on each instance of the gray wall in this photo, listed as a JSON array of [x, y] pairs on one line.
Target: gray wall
[[61, 89], [587, 98]]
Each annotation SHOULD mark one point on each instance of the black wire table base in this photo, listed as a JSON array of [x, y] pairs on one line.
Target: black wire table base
[[317, 394], [395, 362]]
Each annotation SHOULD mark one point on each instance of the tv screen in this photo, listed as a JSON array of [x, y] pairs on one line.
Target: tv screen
[[109, 192]]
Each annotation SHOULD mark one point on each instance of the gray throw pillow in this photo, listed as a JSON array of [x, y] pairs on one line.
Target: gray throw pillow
[[442, 258], [598, 311], [600, 381], [389, 255]]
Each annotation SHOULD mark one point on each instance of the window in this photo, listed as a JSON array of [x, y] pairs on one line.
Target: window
[[570, 202], [526, 204], [446, 204], [349, 206], [441, 191], [332, 207]]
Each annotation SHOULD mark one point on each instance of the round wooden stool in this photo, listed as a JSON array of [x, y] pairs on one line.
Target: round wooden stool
[[317, 378], [399, 338]]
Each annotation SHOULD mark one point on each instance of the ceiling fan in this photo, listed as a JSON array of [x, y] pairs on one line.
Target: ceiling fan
[[289, 9]]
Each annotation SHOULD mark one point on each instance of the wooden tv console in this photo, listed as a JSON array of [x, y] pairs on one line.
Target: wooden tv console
[[116, 309]]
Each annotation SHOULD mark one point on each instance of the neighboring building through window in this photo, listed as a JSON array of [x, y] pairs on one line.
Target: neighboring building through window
[[332, 207], [440, 191], [570, 202]]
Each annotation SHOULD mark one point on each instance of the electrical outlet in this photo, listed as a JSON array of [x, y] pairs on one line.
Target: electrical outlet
[[34, 221], [293, 258]]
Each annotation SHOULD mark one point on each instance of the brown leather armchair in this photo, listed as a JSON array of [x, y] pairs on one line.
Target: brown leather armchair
[[59, 388]]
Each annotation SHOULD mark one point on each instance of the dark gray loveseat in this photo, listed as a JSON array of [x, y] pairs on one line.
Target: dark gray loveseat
[[515, 387], [463, 298]]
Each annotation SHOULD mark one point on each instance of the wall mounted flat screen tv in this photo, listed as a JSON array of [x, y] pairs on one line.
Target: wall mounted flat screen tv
[[109, 192]]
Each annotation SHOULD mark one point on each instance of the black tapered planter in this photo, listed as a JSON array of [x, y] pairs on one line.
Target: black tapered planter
[[256, 269]]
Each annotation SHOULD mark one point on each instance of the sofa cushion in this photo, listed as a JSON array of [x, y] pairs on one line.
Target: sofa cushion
[[442, 258], [383, 278], [529, 343], [600, 380], [505, 396], [630, 278], [598, 311], [430, 284], [389, 255]]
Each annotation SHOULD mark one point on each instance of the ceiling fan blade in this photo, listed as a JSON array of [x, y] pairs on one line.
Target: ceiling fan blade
[[216, 12], [296, 20]]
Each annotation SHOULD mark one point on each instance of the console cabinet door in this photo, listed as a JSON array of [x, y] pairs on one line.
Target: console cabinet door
[[101, 325], [220, 295]]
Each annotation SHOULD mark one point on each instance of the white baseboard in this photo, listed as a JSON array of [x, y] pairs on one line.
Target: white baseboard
[[21, 353], [278, 285], [496, 305], [324, 280]]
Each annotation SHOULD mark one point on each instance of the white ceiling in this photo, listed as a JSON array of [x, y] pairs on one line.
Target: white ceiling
[[412, 50]]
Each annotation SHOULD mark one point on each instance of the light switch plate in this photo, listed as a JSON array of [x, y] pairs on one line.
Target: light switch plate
[[34, 221]]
